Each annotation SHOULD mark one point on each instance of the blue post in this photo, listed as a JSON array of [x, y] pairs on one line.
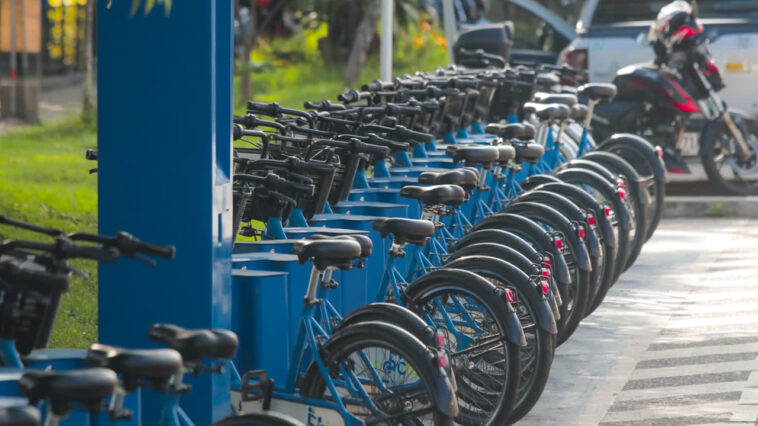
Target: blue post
[[164, 114]]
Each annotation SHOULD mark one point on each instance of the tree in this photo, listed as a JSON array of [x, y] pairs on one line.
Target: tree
[[362, 38]]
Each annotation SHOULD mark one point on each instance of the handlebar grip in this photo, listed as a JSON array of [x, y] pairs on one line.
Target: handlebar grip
[[371, 149], [316, 105], [99, 254], [405, 133], [166, 252], [271, 109], [311, 167], [373, 138], [130, 245], [395, 109], [353, 96], [91, 155], [465, 83]]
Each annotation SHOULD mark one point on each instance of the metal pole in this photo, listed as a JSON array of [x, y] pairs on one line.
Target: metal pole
[[451, 32], [385, 53], [24, 61], [13, 59]]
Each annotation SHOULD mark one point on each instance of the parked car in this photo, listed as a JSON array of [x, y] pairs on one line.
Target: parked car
[[612, 34]]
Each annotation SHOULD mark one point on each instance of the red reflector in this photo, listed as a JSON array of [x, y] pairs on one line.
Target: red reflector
[[622, 194], [591, 220], [440, 339], [547, 262], [622, 184], [509, 296], [607, 212], [545, 288], [545, 273], [442, 360], [559, 243], [659, 151], [581, 232]]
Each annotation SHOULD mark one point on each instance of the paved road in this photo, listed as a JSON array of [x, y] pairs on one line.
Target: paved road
[[675, 342]]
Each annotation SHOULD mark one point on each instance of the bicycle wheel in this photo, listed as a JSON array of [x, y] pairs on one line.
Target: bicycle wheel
[[536, 320], [604, 192], [484, 334], [383, 375], [577, 296]]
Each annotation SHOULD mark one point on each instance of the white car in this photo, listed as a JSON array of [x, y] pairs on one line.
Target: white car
[[611, 34]]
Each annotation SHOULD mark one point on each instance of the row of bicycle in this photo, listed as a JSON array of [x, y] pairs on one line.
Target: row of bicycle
[[482, 246], [498, 236]]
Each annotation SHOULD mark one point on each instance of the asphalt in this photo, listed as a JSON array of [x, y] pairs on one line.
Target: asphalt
[[674, 343]]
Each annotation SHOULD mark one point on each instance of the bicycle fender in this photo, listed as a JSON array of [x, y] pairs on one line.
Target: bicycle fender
[[523, 226], [473, 284], [507, 272], [393, 314], [640, 145]]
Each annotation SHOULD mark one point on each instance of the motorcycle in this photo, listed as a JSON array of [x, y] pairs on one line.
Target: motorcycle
[[657, 100]]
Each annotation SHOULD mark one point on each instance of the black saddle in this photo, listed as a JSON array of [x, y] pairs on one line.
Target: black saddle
[[404, 230], [449, 195], [363, 240], [547, 80], [528, 151], [547, 111], [466, 178], [506, 153], [472, 154], [194, 345], [601, 92], [509, 131], [25, 415], [89, 387], [157, 366], [579, 112], [556, 98], [328, 253]]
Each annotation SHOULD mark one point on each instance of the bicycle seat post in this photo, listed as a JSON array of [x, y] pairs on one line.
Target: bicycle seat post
[[316, 278]]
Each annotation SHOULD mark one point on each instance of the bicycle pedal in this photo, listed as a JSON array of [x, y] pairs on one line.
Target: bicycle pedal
[[257, 380]]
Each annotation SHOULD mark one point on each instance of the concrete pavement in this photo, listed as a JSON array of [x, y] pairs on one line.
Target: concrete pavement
[[676, 340]]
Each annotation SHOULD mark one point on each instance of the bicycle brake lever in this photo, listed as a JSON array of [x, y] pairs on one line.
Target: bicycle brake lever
[[144, 259], [92, 171], [77, 271]]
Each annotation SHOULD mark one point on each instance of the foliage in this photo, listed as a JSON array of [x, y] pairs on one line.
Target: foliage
[[44, 179]]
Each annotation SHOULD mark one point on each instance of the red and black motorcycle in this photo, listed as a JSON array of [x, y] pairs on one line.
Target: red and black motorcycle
[[656, 100]]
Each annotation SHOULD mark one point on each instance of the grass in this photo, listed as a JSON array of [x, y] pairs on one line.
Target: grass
[[44, 177], [44, 180]]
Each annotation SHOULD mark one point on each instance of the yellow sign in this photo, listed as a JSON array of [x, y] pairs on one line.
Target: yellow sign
[[735, 67]]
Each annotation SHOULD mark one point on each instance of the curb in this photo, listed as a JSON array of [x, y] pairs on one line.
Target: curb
[[683, 206]]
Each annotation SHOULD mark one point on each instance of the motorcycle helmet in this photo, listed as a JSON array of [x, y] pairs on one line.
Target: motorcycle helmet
[[676, 27]]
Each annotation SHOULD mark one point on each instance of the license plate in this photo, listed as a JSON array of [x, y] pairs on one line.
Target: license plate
[[690, 144]]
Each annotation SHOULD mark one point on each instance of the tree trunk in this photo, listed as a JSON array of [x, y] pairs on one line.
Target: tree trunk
[[362, 41], [88, 94]]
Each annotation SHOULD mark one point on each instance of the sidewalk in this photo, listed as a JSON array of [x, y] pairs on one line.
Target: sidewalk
[[674, 343]]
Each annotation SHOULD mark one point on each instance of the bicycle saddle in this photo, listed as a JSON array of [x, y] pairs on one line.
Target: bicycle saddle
[[156, 366], [472, 154], [509, 131], [466, 178], [601, 92], [404, 230], [24, 415], [547, 111], [528, 151], [89, 387], [194, 345], [547, 80], [505, 153], [579, 112], [556, 98], [363, 240], [449, 195], [328, 253]]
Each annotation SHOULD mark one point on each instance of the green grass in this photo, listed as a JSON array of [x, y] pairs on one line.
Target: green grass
[[44, 177], [44, 180]]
